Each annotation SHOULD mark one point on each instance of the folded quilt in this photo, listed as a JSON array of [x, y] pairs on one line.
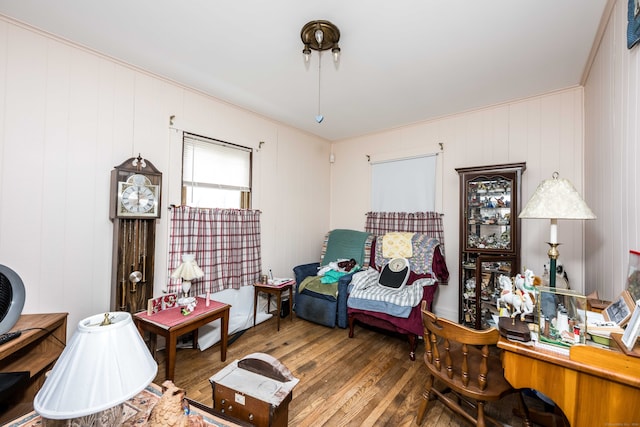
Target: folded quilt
[[364, 286], [397, 245], [314, 283], [379, 307]]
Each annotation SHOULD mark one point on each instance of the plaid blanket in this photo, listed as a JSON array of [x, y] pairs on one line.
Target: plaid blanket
[[422, 258], [364, 286]]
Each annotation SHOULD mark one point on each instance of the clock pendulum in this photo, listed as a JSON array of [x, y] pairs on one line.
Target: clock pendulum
[[134, 209]]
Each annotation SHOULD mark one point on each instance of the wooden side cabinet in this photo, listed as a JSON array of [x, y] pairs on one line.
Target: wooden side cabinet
[[244, 407], [43, 338], [489, 237], [256, 389]]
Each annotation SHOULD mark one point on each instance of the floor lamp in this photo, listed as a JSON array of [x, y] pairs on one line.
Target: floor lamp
[[555, 199]]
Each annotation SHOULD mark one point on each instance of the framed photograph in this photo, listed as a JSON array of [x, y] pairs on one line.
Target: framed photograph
[[620, 310], [633, 275], [560, 321], [633, 23], [633, 329]]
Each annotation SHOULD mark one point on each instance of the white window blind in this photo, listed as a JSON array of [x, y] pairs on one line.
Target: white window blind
[[214, 173], [404, 185]]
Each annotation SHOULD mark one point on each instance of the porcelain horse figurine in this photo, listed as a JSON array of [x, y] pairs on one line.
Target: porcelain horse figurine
[[520, 299], [525, 289], [508, 296]]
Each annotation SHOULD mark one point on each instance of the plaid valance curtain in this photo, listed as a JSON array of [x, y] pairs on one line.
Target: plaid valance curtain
[[226, 243], [430, 223]]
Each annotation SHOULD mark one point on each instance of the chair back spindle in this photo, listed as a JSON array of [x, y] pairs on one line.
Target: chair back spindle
[[471, 362]]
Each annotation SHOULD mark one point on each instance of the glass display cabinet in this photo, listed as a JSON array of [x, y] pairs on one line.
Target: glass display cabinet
[[489, 237]]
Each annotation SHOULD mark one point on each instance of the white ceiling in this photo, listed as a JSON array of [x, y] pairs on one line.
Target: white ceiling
[[402, 61]]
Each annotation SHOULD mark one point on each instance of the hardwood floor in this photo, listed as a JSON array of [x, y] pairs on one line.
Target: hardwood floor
[[367, 380]]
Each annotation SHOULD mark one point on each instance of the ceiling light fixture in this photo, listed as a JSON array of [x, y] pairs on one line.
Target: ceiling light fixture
[[320, 36]]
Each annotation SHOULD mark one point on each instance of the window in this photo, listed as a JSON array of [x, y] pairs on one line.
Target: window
[[215, 174], [405, 185]]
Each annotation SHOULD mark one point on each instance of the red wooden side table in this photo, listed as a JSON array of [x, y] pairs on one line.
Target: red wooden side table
[[171, 324]]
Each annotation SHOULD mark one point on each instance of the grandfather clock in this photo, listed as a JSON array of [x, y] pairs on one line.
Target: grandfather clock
[[134, 209]]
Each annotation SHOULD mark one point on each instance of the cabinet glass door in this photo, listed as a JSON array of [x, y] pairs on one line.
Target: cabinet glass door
[[482, 288], [489, 213]]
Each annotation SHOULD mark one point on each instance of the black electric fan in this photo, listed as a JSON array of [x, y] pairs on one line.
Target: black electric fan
[[12, 296]]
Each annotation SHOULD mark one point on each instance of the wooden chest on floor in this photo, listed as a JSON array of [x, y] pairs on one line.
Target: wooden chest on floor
[[241, 406], [256, 389]]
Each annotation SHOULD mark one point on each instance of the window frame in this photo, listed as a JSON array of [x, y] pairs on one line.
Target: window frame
[[245, 195]]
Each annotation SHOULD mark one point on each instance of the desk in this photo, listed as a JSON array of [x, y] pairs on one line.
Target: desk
[[273, 290], [592, 386], [171, 324]]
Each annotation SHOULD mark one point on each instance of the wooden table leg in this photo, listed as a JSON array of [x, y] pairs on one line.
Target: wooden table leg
[[279, 303], [153, 344], [224, 334], [194, 343], [170, 363], [291, 302], [268, 302]]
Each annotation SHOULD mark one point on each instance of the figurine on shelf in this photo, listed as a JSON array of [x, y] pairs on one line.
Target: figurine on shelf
[[470, 286], [505, 239]]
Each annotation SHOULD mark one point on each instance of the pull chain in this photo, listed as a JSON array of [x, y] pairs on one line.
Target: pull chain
[[319, 117]]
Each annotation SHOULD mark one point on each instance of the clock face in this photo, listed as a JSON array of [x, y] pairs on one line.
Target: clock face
[[137, 197]]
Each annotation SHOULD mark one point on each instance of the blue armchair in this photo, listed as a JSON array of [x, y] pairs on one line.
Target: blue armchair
[[330, 308]]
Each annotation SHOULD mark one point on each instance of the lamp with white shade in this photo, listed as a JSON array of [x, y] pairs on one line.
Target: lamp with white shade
[[188, 270], [105, 364], [555, 199]]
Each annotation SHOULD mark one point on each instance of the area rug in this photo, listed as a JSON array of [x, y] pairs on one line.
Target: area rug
[[136, 412]]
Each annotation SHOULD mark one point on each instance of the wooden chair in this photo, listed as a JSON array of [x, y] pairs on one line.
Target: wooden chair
[[463, 361]]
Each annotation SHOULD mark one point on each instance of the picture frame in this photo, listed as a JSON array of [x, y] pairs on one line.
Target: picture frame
[[156, 305], [633, 275], [562, 317], [620, 310], [633, 23], [633, 329]]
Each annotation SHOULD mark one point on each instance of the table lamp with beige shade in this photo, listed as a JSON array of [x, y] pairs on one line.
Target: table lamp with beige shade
[[555, 199]]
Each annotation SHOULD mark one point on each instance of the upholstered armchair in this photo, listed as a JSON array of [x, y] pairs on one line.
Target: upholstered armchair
[[326, 303]]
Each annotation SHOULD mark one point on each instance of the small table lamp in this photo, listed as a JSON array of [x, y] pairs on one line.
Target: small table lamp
[[187, 271], [555, 199], [105, 363]]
